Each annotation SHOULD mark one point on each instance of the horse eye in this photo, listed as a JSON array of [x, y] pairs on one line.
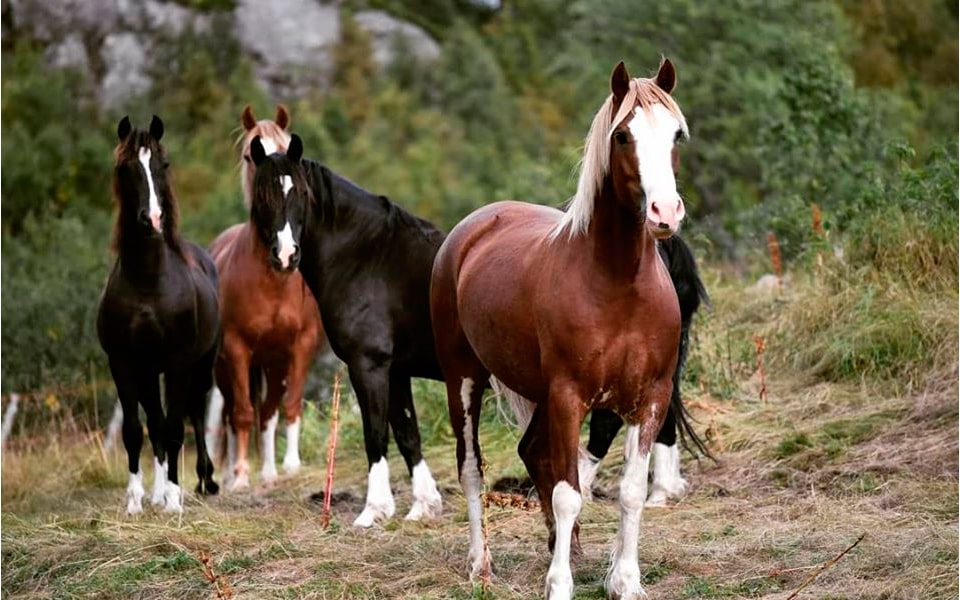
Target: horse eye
[[246, 158], [678, 137], [621, 137], [166, 164]]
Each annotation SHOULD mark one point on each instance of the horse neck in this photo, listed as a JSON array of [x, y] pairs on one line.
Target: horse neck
[[142, 258], [620, 244]]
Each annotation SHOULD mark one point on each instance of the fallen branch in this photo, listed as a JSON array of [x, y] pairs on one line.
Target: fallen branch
[[824, 567], [510, 500], [331, 451]]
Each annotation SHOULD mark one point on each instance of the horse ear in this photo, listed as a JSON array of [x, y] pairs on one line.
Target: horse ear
[[283, 116], [667, 76], [247, 118], [257, 153], [123, 128], [620, 82], [295, 149], [156, 128]]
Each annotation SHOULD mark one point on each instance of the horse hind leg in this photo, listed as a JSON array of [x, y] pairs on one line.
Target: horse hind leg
[[213, 431], [464, 394], [177, 391], [427, 502], [604, 426], [197, 403], [667, 480]]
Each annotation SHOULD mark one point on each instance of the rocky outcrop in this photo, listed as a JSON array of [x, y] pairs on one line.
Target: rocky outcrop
[[290, 42]]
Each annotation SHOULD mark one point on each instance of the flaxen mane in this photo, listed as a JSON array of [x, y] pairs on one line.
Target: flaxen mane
[[596, 156]]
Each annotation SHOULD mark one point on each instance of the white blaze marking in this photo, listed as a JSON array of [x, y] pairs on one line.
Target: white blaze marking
[[426, 498], [623, 578], [566, 506], [155, 211], [291, 458], [654, 134], [269, 146], [287, 246], [379, 497], [268, 439], [286, 183]]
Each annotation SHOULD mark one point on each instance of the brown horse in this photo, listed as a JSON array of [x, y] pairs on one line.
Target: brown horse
[[271, 324], [572, 312]]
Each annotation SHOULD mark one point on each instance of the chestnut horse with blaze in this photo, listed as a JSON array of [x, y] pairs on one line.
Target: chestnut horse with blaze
[[572, 312], [271, 324]]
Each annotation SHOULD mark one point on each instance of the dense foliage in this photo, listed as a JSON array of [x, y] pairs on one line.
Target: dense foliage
[[786, 106]]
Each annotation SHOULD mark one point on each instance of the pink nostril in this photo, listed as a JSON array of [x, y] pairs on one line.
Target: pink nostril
[[655, 209]]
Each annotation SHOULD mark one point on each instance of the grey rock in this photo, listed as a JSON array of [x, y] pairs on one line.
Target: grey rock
[[384, 31], [124, 56]]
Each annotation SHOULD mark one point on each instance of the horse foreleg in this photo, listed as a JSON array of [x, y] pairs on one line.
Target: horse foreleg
[[560, 420], [623, 578], [371, 382], [126, 382], [178, 392], [233, 374], [427, 501], [293, 408], [269, 417], [200, 384]]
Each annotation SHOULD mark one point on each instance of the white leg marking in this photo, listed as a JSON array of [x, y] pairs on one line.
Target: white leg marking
[[11, 413], [623, 578], [114, 427], [213, 430], [268, 440], [471, 482], [587, 465], [291, 458], [231, 459], [379, 497], [159, 481], [173, 498], [155, 212], [426, 497], [566, 506], [135, 493], [286, 244], [667, 481]]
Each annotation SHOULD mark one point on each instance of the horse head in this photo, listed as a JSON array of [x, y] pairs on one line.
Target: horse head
[[279, 201]]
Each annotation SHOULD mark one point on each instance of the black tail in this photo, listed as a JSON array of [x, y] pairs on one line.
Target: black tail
[[690, 292]]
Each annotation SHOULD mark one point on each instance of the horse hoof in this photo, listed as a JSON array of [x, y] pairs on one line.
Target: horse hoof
[[291, 466], [426, 508], [269, 476], [173, 498], [657, 499], [481, 569], [240, 482], [623, 583], [135, 494], [208, 488]]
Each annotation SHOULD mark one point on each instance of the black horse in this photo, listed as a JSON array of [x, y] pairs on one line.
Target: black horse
[[368, 263], [158, 315], [604, 424]]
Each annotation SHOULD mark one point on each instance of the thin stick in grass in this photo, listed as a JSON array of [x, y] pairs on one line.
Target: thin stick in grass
[[331, 451], [824, 567]]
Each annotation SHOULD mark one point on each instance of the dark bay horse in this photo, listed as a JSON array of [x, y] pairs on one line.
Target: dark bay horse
[[574, 312], [271, 327], [157, 315], [367, 262], [604, 424]]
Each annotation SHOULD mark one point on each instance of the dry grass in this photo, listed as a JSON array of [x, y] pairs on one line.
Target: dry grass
[[800, 477]]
